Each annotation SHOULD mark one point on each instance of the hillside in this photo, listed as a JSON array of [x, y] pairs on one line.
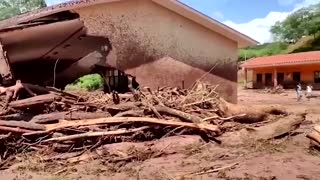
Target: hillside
[[307, 43]]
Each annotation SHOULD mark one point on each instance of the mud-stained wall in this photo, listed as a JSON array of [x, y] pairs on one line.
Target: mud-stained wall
[[162, 48]]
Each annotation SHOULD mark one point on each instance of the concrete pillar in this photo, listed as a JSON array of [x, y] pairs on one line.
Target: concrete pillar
[[275, 76], [245, 78]]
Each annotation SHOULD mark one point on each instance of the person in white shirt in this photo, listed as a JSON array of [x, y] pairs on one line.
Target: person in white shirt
[[309, 92]]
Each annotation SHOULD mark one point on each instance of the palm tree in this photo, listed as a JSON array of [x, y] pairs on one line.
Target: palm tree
[[9, 8]]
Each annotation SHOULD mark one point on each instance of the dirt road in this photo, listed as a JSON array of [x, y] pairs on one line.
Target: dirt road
[[189, 157]]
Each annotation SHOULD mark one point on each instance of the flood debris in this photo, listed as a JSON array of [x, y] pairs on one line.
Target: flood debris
[[314, 137], [58, 122]]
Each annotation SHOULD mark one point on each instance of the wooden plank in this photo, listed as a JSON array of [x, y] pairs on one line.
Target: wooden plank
[[36, 100]]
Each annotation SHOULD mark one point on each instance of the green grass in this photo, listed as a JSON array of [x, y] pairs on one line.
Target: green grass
[[305, 44], [266, 49], [89, 82]]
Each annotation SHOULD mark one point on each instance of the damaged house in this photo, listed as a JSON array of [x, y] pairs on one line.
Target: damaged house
[[159, 42]]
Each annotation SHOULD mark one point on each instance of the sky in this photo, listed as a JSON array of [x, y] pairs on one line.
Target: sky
[[250, 17]]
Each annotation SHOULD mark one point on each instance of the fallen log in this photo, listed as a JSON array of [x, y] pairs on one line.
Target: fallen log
[[112, 120], [315, 136], [56, 116], [278, 128], [268, 131], [252, 114], [173, 112], [22, 124], [95, 134], [37, 100]]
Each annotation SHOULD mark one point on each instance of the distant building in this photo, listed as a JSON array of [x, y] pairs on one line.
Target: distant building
[[285, 70]]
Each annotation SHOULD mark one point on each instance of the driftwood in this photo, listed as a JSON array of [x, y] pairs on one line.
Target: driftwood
[[115, 109], [315, 136], [56, 116], [278, 128], [12, 91], [95, 134], [132, 113], [273, 130], [251, 114], [22, 124], [37, 100], [184, 116], [15, 130], [17, 117], [111, 120]]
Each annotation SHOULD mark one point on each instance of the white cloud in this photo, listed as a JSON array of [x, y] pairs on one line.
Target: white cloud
[[53, 2], [259, 29], [217, 14]]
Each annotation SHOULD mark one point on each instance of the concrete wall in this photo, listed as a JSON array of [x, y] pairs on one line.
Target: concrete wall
[[162, 48], [306, 74]]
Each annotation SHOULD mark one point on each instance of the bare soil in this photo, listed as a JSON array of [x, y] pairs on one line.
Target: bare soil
[[187, 157]]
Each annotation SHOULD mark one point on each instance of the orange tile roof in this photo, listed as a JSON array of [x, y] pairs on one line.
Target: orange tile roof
[[284, 60]]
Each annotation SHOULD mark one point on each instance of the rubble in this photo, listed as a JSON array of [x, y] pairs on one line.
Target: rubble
[[55, 122], [314, 137]]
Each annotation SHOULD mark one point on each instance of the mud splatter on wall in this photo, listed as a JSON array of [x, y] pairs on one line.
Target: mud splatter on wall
[[162, 48]]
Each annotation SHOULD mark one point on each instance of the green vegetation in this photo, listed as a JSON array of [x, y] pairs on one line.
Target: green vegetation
[[299, 32], [89, 82], [266, 49], [10, 8]]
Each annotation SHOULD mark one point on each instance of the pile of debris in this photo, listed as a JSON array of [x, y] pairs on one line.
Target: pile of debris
[[56, 122], [276, 90], [314, 137]]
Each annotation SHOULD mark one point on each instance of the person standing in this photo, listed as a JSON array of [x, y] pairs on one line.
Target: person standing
[[309, 92], [299, 91]]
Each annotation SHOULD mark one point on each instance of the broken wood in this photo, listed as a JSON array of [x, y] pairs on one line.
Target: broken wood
[[278, 128], [315, 136], [115, 109], [132, 113], [184, 116], [56, 116], [253, 114], [95, 134], [111, 120], [37, 100], [22, 124], [15, 130], [12, 91]]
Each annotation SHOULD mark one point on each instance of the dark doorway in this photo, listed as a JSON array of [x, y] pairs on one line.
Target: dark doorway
[[116, 80], [280, 78], [259, 78], [296, 76], [268, 79]]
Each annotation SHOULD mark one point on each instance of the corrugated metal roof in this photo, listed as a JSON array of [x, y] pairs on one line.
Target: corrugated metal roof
[[284, 60]]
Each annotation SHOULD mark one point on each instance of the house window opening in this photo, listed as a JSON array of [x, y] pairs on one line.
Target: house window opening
[[317, 77]]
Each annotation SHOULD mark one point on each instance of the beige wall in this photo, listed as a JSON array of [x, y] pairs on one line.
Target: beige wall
[[143, 34]]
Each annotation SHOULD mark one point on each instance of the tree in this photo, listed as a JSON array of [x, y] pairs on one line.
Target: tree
[[10, 8], [300, 23]]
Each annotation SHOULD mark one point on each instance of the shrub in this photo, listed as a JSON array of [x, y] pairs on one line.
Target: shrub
[[89, 82]]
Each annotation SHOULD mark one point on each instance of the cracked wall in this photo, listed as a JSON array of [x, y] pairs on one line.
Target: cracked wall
[[162, 48]]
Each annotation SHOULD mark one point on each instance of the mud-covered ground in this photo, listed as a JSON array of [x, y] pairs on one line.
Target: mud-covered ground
[[188, 157]]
